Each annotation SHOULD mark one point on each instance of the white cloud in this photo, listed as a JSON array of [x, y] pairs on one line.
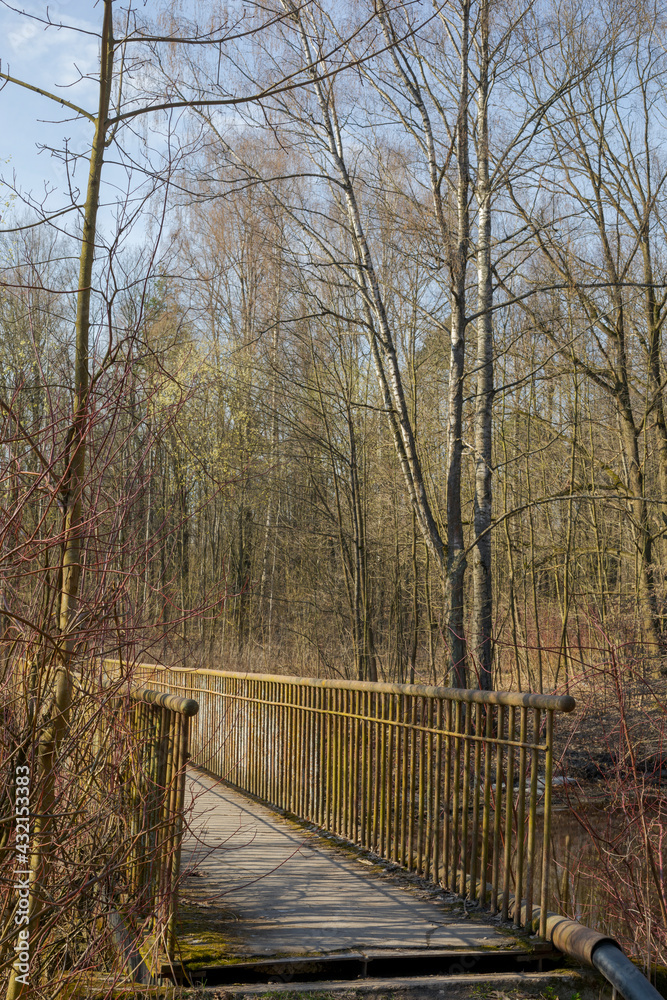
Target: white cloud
[[54, 59], [48, 56]]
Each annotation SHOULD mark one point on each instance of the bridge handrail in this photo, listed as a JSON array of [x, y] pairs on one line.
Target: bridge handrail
[[546, 702], [158, 723], [450, 783], [161, 699]]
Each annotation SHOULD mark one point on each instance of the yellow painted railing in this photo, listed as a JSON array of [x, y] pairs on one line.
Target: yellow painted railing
[[160, 723], [452, 784], [150, 779]]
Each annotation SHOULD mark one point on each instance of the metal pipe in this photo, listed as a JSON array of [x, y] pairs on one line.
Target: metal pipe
[[588, 947], [601, 952], [625, 977]]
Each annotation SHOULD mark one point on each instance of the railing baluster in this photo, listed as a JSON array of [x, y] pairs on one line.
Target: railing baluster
[[465, 804], [509, 807], [281, 730], [396, 825], [498, 807], [446, 824], [322, 743], [405, 759], [532, 817], [474, 849], [456, 815], [411, 787], [375, 744], [382, 773], [521, 817], [546, 836], [354, 784], [437, 825], [486, 821], [342, 761], [293, 762], [364, 792], [307, 776], [428, 857], [349, 764], [328, 694], [422, 787], [339, 755], [284, 730], [387, 849]]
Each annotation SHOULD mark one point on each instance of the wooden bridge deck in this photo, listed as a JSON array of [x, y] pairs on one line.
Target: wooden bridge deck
[[259, 888]]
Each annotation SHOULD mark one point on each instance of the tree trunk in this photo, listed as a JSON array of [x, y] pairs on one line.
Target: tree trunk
[[482, 610], [456, 560], [641, 528], [73, 504]]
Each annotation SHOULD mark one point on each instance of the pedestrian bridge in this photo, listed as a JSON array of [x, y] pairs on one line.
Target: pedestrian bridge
[[264, 898], [448, 785], [343, 829]]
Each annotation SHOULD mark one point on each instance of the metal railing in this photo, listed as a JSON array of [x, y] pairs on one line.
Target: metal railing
[[152, 773], [160, 723], [454, 785]]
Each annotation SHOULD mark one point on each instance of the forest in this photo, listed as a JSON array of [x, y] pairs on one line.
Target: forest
[[333, 346]]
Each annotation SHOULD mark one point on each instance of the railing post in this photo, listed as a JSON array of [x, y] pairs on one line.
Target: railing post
[[477, 772], [181, 734], [437, 826], [465, 807], [509, 806], [546, 838], [521, 817], [456, 829], [422, 765], [486, 803], [532, 818]]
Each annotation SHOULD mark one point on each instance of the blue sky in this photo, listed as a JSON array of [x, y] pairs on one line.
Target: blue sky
[[53, 59]]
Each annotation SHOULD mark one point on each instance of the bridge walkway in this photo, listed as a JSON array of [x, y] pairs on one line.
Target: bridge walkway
[[263, 896]]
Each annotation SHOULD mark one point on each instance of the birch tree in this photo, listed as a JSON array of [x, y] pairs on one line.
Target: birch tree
[[598, 237]]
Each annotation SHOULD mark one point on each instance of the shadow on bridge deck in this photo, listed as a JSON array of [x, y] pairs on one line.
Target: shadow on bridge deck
[[263, 896]]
